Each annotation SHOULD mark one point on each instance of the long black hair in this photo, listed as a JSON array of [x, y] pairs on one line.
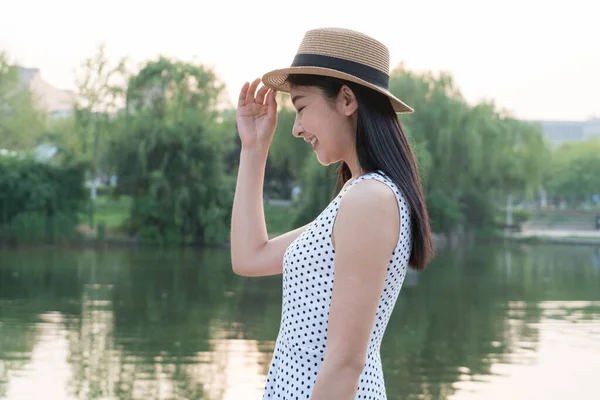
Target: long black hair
[[382, 145]]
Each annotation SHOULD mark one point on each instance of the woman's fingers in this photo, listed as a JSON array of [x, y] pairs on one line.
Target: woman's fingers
[[252, 90], [260, 96], [243, 94], [264, 96]]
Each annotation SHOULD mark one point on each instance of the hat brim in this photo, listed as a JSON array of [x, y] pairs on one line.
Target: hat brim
[[277, 80]]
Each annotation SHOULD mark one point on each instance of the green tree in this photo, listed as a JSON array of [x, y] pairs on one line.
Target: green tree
[[169, 154], [63, 133], [21, 123], [475, 154], [100, 91], [287, 154], [573, 173]]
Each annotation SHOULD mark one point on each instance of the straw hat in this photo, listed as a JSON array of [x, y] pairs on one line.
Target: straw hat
[[340, 53]]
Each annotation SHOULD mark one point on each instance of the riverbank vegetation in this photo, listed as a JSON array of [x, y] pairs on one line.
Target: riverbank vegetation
[[150, 155]]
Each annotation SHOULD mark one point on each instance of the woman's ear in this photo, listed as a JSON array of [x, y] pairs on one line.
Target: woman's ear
[[347, 101]]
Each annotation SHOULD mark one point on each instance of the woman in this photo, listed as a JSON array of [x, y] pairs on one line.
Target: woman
[[331, 329]]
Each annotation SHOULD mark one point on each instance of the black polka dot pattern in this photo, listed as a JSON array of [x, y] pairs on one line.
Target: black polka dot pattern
[[308, 272]]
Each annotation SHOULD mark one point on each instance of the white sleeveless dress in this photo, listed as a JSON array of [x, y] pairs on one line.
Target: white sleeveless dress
[[308, 269]]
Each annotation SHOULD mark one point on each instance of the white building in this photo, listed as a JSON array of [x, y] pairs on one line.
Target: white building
[[557, 132]]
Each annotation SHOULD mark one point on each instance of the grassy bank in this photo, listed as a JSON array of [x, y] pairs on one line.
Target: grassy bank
[[578, 240], [111, 214]]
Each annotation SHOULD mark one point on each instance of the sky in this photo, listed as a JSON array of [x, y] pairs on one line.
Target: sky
[[535, 59]]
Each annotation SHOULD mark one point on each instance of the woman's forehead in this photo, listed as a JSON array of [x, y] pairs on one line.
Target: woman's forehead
[[303, 90]]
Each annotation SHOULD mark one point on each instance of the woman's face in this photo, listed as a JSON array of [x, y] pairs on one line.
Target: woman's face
[[329, 126]]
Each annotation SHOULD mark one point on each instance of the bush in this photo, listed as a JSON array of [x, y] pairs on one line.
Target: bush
[[39, 202]]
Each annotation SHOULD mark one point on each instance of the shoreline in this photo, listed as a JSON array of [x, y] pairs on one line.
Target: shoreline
[[117, 240], [576, 237]]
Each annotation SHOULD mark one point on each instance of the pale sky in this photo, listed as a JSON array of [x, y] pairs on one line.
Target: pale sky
[[538, 59]]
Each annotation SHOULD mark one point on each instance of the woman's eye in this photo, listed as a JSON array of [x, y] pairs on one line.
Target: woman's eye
[[300, 109]]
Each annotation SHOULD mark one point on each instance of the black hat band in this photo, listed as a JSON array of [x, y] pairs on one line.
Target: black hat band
[[362, 71]]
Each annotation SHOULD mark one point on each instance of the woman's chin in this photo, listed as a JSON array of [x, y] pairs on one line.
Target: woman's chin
[[324, 162]]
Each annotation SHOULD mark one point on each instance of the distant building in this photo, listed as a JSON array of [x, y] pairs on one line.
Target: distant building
[[558, 132], [56, 102]]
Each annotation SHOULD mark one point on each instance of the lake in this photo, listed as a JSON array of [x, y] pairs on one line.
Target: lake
[[489, 322]]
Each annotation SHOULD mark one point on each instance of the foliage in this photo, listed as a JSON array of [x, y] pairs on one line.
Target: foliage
[[277, 218], [169, 157], [100, 85], [574, 170], [166, 135], [100, 92], [318, 185], [287, 155], [444, 213], [173, 90], [21, 123], [520, 216], [471, 156], [62, 132], [39, 201], [112, 212]]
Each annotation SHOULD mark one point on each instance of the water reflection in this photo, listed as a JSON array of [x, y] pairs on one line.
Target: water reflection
[[561, 361], [46, 371], [518, 322]]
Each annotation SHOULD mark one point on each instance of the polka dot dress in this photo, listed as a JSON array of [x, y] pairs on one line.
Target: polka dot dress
[[308, 269]]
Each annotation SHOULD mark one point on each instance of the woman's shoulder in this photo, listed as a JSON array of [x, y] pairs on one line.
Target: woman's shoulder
[[371, 193], [369, 209]]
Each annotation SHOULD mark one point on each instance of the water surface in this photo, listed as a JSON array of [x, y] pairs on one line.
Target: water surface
[[490, 322]]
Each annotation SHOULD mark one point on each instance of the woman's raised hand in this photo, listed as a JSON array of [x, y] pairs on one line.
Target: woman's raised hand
[[256, 115]]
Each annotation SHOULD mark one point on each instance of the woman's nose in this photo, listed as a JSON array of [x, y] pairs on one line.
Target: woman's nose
[[297, 128]]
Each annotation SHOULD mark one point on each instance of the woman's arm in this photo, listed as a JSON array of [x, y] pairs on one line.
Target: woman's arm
[[365, 234], [252, 254]]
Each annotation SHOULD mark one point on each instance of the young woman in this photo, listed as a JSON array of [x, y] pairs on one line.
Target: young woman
[[377, 226]]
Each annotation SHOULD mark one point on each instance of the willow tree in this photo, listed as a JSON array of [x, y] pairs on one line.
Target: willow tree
[[442, 126], [474, 154], [169, 154], [21, 122]]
